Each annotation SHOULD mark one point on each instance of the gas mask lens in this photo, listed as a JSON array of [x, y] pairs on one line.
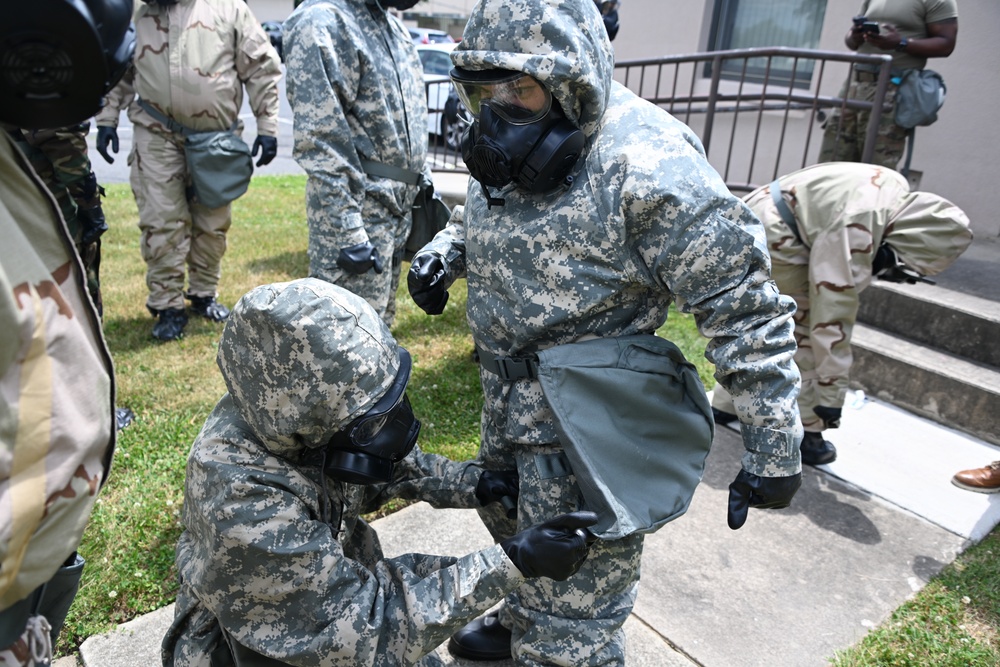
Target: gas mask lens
[[517, 98]]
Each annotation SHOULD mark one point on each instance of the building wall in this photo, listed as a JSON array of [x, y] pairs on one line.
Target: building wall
[[955, 155]]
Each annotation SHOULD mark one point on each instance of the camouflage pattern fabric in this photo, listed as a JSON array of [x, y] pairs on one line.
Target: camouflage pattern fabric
[[845, 129], [844, 211], [57, 383], [60, 158], [278, 557], [192, 62], [646, 221], [356, 91]]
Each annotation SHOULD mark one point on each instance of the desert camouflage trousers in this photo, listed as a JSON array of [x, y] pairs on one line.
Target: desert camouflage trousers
[[852, 125], [572, 623], [178, 234]]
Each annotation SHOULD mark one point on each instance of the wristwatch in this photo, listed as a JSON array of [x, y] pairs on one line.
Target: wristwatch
[[902, 44]]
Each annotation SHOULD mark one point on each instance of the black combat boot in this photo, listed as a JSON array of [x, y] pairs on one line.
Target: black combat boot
[[482, 639], [170, 323], [209, 308], [816, 451]]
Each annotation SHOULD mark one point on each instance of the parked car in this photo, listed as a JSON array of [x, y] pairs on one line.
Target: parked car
[[443, 105], [429, 36]]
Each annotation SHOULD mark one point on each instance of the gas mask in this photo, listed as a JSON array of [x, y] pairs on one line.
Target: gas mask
[[887, 266], [58, 58], [366, 450], [519, 134]]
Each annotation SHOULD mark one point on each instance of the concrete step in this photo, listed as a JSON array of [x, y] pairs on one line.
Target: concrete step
[[937, 385], [960, 324]]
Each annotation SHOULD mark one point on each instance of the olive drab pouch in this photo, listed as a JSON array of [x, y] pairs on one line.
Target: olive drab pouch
[[430, 215], [919, 96], [636, 426], [219, 162], [220, 165]]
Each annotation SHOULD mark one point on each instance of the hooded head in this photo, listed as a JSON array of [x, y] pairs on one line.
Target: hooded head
[[304, 359], [927, 232], [561, 43]]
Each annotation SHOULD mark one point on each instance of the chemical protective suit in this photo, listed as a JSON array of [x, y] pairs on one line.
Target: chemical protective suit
[[276, 564], [356, 91], [847, 217], [193, 59], [638, 221]]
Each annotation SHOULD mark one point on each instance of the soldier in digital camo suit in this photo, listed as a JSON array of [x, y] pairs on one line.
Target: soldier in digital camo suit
[[853, 222], [590, 213], [193, 60], [276, 565], [358, 98]]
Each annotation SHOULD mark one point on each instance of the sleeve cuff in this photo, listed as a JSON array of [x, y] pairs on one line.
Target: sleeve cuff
[[771, 453]]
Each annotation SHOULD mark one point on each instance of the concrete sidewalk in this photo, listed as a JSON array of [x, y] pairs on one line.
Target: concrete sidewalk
[[790, 588]]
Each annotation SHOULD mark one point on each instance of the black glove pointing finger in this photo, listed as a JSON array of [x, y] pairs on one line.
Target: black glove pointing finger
[[766, 493], [555, 549], [426, 282]]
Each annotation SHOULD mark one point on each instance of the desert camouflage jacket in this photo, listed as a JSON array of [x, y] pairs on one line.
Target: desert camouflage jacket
[[279, 556], [356, 91], [645, 222], [56, 383], [192, 60], [844, 211]]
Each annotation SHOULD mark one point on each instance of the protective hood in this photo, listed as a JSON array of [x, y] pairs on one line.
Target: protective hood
[[928, 232], [562, 43], [302, 359]]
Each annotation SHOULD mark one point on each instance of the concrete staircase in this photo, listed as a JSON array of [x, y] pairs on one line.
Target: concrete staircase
[[935, 349]]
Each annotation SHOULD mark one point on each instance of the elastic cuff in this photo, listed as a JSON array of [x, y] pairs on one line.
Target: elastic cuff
[[771, 453]]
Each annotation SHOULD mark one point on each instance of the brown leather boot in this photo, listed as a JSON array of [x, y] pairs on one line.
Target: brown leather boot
[[980, 480]]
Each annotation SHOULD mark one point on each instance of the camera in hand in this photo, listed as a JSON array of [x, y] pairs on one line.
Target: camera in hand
[[864, 25]]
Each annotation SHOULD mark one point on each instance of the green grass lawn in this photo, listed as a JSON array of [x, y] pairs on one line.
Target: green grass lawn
[[172, 387]]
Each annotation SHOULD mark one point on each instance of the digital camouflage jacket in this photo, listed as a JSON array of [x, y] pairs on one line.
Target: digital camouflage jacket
[[278, 556], [644, 222]]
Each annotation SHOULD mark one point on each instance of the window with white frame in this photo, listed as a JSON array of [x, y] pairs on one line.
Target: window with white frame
[[740, 24]]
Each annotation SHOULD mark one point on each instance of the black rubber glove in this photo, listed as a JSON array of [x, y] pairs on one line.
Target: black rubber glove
[[766, 493], [360, 258], [555, 549], [107, 135], [268, 147], [499, 486], [92, 223], [426, 280], [830, 416]]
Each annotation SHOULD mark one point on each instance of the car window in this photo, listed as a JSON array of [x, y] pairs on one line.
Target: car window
[[435, 62]]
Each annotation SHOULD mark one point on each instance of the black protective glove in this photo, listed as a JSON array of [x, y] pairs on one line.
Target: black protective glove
[[766, 493], [268, 147], [830, 416], [426, 282], [555, 549], [360, 258], [499, 486], [107, 135], [92, 223]]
